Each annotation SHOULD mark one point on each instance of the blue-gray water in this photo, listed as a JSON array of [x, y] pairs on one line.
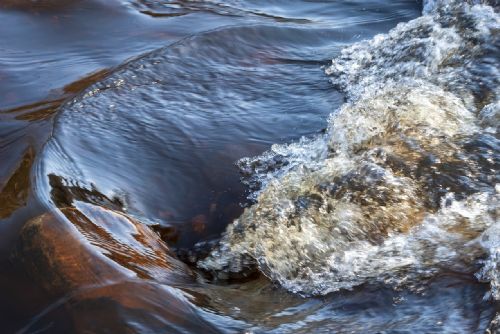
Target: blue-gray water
[[134, 133]]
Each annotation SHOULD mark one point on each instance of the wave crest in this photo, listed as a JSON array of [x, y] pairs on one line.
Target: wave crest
[[402, 184]]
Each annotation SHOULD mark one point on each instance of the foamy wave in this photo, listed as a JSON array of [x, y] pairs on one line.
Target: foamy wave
[[456, 48], [402, 184]]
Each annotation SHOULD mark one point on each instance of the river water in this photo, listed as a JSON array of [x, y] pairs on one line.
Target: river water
[[204, 166]]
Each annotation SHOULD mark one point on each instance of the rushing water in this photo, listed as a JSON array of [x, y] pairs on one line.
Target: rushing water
[[233, 178]]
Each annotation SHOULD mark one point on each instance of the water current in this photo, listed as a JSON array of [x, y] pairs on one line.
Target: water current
[[249, 166]]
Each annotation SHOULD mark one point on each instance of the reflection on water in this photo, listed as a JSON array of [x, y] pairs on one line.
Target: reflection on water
[[189, 105], [133, 167]]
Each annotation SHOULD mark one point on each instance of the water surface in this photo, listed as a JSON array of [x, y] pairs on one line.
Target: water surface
[[122, 122]]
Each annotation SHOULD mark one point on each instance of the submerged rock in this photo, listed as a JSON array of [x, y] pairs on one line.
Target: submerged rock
[[90, 245], [93, 256], [55, 256]]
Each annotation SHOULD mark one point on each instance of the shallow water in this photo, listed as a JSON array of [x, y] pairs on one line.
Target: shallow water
[[122, 124]]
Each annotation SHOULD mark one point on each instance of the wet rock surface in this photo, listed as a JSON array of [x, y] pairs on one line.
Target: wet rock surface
[[97, 277]]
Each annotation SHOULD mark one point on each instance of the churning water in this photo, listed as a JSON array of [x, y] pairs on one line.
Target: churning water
[[239, 180]]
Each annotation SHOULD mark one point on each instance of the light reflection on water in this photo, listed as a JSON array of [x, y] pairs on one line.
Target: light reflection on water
[[159, 138]]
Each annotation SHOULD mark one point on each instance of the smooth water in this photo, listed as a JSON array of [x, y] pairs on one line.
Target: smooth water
[[230, 178]]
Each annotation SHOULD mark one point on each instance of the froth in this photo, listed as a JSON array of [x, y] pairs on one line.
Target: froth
[[393, 191], [455, 47]]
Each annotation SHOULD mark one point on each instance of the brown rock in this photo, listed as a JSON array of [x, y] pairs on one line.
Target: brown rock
[[92, 245], [56, 256], [108, 273], [14, 192]]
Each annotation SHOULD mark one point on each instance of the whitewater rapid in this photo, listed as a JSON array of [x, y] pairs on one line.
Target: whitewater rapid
[[404, 182]]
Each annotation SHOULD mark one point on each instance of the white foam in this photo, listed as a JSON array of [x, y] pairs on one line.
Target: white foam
[[389, 193]]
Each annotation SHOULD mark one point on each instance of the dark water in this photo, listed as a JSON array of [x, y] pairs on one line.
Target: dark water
[[121, 122]]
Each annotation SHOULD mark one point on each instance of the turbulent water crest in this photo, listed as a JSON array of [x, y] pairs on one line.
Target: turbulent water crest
[[403, 183]]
